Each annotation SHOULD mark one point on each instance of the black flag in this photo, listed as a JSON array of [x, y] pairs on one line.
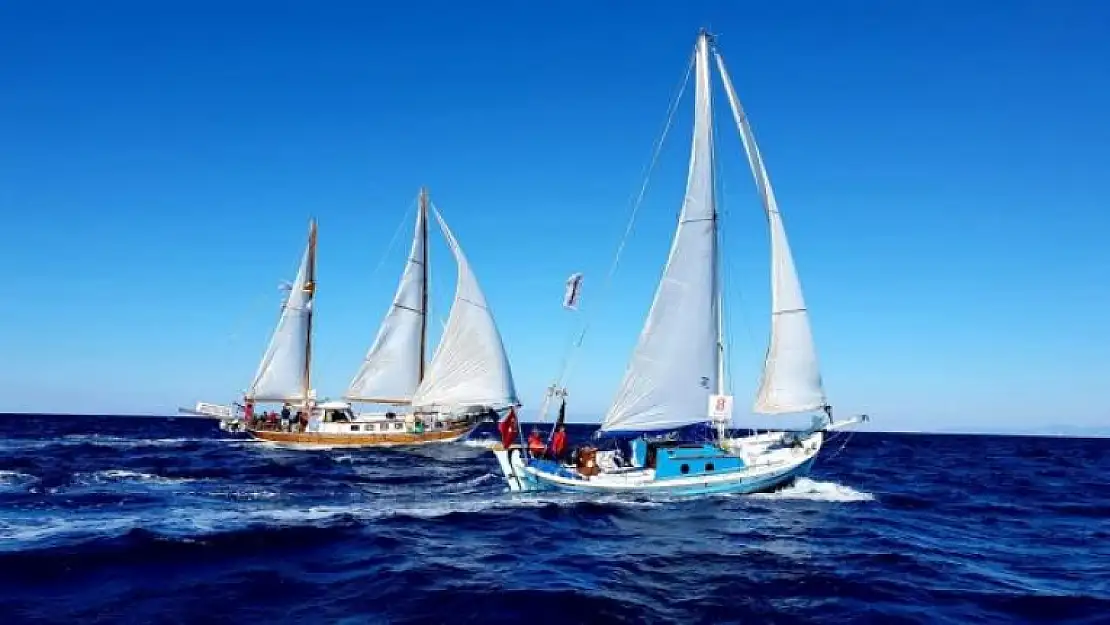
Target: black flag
[[559, 421]]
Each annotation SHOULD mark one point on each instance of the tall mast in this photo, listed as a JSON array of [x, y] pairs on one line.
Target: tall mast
[[310, 288], [424, 279], [718, 288], [717, 281]]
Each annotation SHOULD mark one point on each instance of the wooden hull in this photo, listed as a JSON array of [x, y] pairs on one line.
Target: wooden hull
[[321, 439]]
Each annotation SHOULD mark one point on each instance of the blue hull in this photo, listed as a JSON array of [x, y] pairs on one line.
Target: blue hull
[[739, 486]]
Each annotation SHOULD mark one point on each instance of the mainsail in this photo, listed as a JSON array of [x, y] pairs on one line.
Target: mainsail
[[469, 367], [674, 367], [284, 373], [791, 380], [394, 364]]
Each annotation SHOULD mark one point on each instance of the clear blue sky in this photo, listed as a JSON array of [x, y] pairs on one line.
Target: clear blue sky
[[941, 168]]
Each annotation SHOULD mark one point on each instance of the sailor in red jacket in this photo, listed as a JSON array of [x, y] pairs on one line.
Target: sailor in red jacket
[[536, 446], [559, 442]]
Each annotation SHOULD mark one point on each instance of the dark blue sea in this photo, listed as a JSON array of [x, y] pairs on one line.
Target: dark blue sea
[[153, 520]]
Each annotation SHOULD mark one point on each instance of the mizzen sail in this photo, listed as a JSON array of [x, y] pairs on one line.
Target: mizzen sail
[[791, 380], [394, 364], [469, 367], [674, 367], [284, 373]]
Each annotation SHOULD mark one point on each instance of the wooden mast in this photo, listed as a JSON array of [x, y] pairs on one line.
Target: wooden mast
[[310, 289], [423, 279]]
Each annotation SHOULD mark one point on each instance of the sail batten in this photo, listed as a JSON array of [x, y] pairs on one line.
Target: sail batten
[[469, 367], [675, 364], [284, 372], [395, 361], [791, 380]]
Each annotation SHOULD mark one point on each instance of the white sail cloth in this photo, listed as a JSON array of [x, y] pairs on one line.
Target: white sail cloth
[[282, 373], [791, 380], [674, 367], [470, 367], [391, 370]]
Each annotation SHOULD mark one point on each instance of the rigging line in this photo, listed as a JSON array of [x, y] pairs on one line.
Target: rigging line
[[433, 308], [250, 311], [847, 437], [393, 239], [736, 291], [568, 358]]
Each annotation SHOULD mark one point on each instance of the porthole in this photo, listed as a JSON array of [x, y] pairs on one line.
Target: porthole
[[709, 466], [685, 469]]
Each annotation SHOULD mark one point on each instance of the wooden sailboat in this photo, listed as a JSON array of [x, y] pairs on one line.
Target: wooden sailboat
[[468, 379], [675, 377]]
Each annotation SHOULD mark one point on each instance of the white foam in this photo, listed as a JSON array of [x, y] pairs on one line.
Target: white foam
[[16, 537], [123, 475], [14, 480], [482, 443], [124, 441], [813, 490]]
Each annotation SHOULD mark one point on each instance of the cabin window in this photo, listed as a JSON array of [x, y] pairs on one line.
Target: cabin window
[[684, 468], [354, 428], [709, 466], [398, 426]]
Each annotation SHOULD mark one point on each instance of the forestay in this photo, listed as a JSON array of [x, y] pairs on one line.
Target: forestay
[[283, 372], [674, 367], [791, 380], [469, 367], [391, 370]]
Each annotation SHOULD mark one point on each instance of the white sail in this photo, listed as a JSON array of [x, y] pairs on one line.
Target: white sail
[[391, 370], [469, 367], [791, 379], [283, 372], [674, 367]]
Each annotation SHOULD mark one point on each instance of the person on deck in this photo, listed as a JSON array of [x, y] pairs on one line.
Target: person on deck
[[285, 413], [559, 442], [248, 413], [535, 444]]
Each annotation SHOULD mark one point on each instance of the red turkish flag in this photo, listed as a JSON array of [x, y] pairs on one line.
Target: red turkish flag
[[509, 428]]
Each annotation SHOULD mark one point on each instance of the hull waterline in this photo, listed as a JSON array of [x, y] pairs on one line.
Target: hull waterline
[[327, 440]]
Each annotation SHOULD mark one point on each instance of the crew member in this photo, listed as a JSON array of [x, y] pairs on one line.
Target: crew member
[[559, 442], [535, 444]]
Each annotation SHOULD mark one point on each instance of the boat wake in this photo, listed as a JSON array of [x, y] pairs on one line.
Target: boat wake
[[480, 443], [812, 490]]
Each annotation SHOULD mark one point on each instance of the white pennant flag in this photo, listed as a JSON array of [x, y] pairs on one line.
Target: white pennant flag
[[573, 290]]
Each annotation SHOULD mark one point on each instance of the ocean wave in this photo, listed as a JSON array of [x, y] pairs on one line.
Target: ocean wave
[[251, 533], [14, 481]]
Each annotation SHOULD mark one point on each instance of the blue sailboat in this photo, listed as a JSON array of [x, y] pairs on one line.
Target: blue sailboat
[[672, 413]]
